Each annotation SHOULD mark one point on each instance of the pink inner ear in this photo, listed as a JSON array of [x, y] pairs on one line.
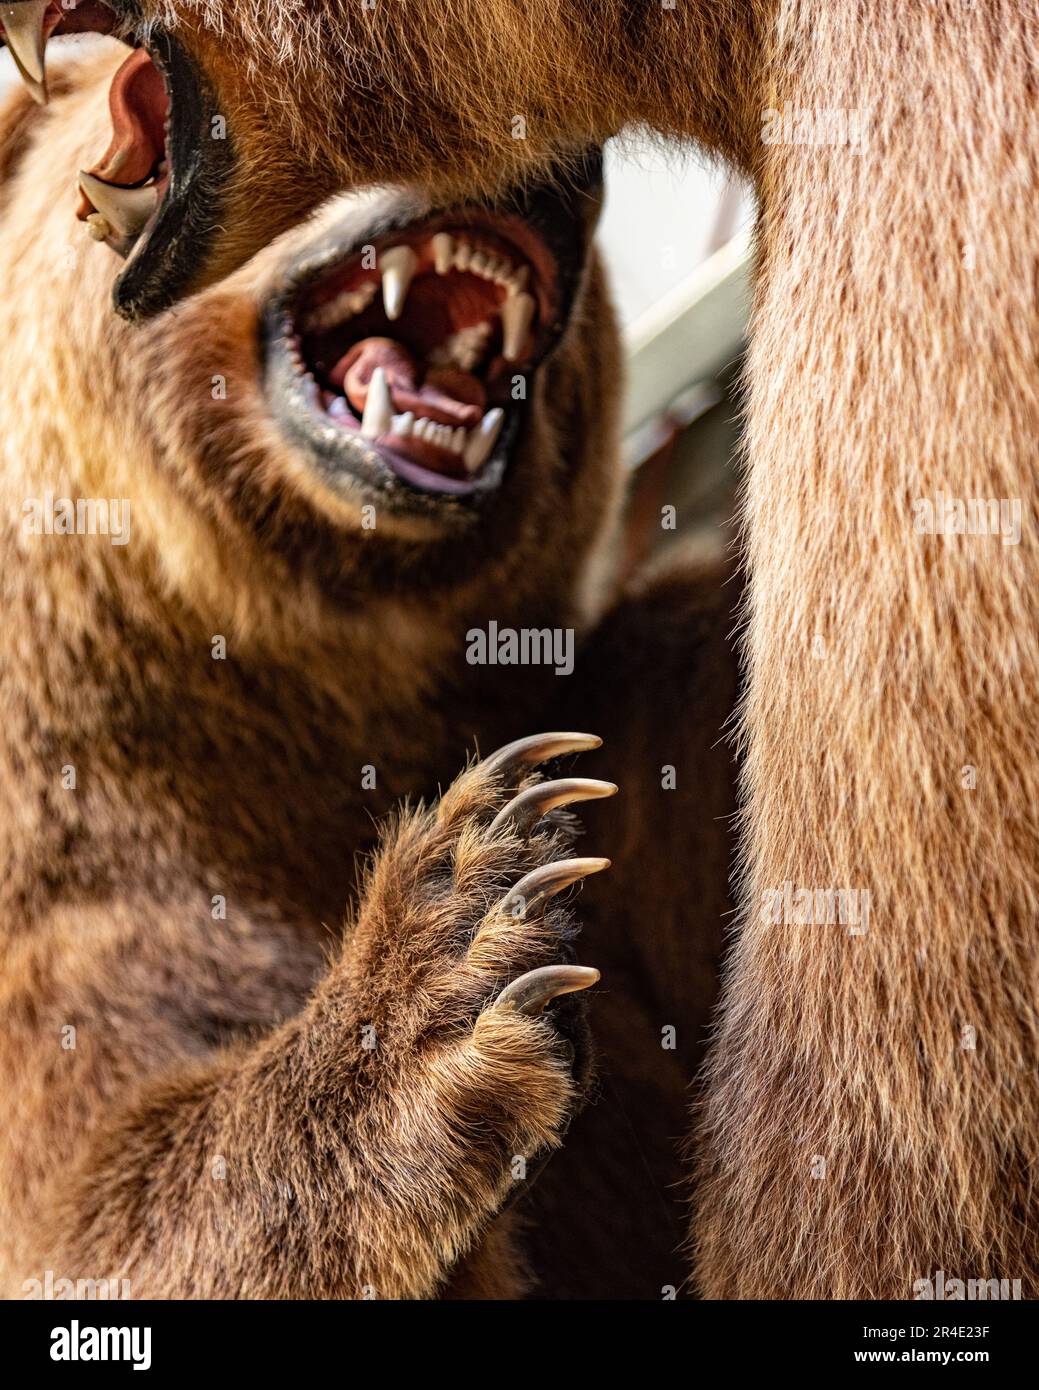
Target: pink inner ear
[[139, 106]]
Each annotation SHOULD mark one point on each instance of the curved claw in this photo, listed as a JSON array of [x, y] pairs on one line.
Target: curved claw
[[526, 753], [549, 879], [25, 30], [528, 806], [537, 988]]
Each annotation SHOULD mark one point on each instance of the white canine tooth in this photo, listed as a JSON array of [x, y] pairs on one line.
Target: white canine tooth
[[518, 281], [463, 255], [378, 408], [517, 314], [443, 252], [398, 266], [127, 209], [402, 425], [482, 440], [23, 29]]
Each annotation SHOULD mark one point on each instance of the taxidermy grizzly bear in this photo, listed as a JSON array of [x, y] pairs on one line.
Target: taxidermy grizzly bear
[[279, 949], [873, 1107], [872, 1112]]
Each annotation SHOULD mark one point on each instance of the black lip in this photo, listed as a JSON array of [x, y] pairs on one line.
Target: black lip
[[563, 212], [166, 260]]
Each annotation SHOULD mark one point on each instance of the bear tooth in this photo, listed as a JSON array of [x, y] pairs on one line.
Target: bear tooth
[[378, 409], [517, 314], [463, 255], [24, 30], [98, 226], [127, 209], [398, 266], [443, 252], [360, 299], [459, 439], [478, 263], [402, 425], [482, 440], [518, 281]]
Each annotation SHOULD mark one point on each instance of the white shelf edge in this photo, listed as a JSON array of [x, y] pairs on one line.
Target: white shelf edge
[[690, 334]]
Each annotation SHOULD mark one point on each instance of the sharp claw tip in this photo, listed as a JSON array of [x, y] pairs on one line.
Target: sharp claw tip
[[533, 992]]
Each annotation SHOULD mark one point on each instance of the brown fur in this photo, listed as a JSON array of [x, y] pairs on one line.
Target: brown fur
[[886, 366], [218, 1128], [320, 97], [883, 368]]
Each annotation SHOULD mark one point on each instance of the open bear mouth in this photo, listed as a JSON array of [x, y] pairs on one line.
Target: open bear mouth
[[122, 191], [404, 361], [151, 194]]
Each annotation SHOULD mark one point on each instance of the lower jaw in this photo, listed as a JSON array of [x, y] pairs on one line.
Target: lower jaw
[[358, 469]]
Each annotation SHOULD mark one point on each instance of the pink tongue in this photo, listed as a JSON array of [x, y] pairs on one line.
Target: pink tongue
[[353, 373]]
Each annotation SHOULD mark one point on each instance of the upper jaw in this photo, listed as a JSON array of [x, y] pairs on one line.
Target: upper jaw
[[164, 226], [538, 243]]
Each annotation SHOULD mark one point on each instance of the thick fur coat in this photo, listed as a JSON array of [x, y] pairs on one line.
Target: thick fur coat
[[216, 1087]]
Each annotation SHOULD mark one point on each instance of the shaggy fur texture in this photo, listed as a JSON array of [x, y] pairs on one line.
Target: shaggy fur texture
[[215, 1124], [893, 356], [873, 1106]]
